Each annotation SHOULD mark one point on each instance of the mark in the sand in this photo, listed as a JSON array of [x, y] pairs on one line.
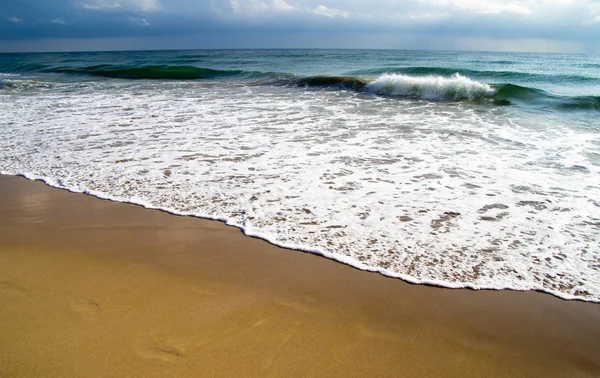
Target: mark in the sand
[[161, 349], [203, 291], [11, 287], [87, 308], [277, 351], [259, 323], [364, 331], [302, 306]]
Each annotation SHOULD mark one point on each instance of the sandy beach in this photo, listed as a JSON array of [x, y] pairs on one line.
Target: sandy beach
[[93, 288]]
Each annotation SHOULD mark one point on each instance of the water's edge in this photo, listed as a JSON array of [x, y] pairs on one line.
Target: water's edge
[[248, 231]]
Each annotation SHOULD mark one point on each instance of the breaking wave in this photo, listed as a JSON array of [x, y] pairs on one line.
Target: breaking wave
[[496, 76], [456, 87]]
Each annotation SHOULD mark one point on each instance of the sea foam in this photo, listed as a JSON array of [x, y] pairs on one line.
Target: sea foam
[[22, 84], [457, 196]]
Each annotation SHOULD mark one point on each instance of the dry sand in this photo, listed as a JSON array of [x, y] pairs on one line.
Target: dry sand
[[92, 288]]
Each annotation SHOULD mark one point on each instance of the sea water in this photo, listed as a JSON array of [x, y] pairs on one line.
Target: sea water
[[457, 169]]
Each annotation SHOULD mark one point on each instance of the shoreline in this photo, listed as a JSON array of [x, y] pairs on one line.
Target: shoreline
[[342, 259], [92, 287]]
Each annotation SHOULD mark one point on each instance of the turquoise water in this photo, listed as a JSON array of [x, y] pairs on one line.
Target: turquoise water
[[565, 77], [458, 169]]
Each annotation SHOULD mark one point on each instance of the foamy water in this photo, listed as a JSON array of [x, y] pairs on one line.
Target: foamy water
[[447, 193]]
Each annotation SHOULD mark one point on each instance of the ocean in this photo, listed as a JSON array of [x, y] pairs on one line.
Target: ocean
[[459, 169]]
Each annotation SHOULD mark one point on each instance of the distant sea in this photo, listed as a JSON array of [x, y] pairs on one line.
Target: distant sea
[[457, 169]]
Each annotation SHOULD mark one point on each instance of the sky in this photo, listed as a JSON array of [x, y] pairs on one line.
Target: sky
[[491, 25]]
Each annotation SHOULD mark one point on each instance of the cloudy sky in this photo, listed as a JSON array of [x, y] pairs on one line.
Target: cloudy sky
[[498, 25]]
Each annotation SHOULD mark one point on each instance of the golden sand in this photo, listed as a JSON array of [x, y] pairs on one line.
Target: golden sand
[[93, 288]]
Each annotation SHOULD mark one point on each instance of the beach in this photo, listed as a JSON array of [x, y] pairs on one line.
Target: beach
[[94, 288], [438, 168]]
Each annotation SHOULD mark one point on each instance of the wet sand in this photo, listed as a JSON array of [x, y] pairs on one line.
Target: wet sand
[[93, 288]]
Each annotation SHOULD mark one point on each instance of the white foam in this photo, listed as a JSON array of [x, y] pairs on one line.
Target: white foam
[[23, 84], [437, 88], [444, 194]]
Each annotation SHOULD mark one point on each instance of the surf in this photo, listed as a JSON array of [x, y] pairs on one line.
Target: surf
[[481, 75], [455, 87], [428, 83]]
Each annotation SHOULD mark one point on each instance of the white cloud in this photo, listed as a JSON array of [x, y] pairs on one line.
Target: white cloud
[[421, 16], [281, 5], [140, 5], [483, 6], [250, 8], [327, 12], [58, 21], [148, 5], [138, 21], [101, 5], [595, 11], [16, 20]]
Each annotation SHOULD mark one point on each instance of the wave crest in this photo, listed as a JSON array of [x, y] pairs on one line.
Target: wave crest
[[456, 87]]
